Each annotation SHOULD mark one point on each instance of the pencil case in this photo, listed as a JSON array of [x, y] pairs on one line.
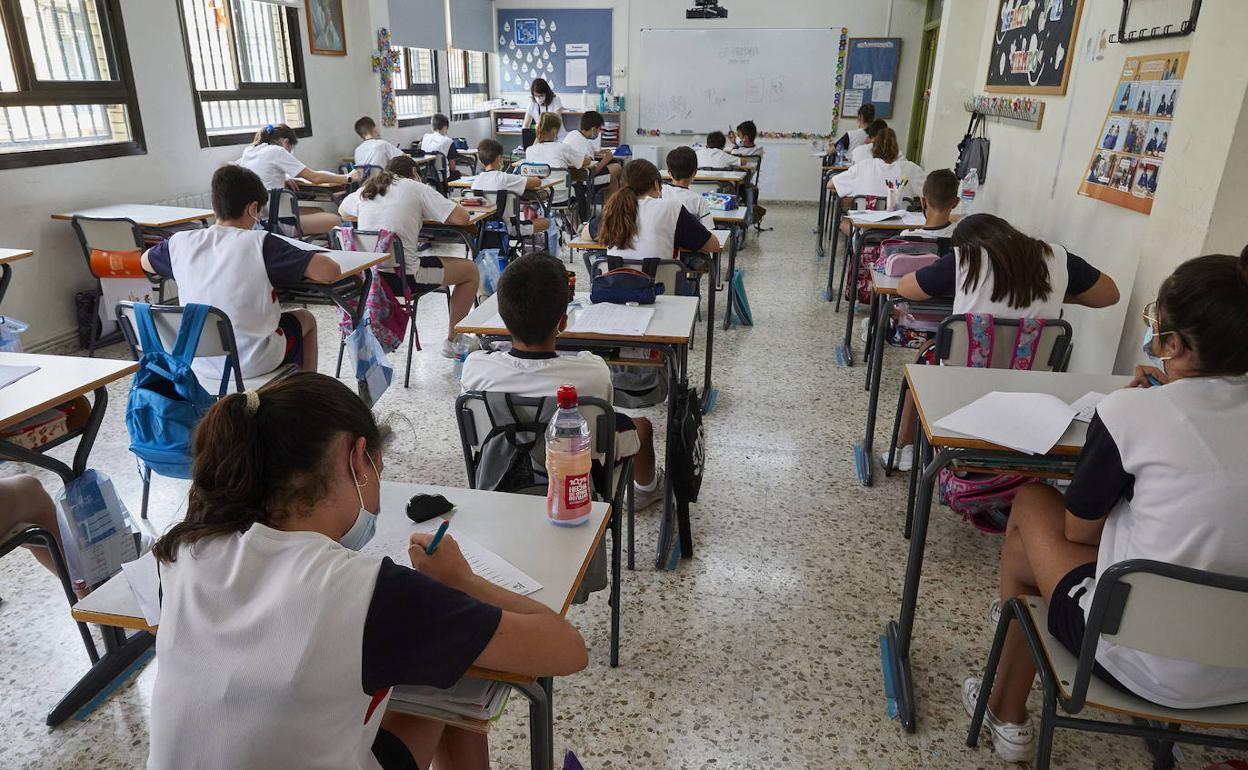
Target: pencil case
[[720, 201]]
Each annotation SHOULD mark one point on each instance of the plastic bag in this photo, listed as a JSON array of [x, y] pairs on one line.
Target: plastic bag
[[488, 266], [553, 237], [97, 532], [372, 368], [10, 334]]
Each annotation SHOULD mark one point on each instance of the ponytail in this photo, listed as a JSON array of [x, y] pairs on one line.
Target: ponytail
[[619, 217], [259, 457], [548, 126], [884, 145], [399, 167], [272, 134], [1205, 302]]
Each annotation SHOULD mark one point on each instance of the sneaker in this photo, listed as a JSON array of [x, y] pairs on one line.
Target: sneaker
[[468, 341], [864, 327], [903, 458], [644, 498], [1012, 742], [994, 614]]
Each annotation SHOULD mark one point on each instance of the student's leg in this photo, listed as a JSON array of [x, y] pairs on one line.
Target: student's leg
[[462, 750], [905, 434], [24, 500], [614, 170], [300, 324], [643, 461], [462, 278], [1035, 556], [316, 221], [540, 225], [422, 737]]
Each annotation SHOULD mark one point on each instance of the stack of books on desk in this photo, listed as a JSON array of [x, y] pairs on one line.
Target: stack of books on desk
[[471, 703]]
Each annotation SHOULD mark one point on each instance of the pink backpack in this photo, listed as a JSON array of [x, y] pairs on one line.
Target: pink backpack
[[861, 281], [386, 314], [902, 256]]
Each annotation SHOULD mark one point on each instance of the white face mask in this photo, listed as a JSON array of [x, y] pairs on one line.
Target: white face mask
[[365, 521]]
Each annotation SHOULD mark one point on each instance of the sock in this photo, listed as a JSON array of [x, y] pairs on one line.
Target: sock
[[648, 487]]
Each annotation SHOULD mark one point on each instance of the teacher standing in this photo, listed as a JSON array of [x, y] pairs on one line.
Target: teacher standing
[[542, 99]]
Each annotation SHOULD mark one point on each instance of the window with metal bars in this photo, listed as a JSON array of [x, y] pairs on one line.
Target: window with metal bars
[[416, 86], [470, 83], [66, 88], [246, 65]]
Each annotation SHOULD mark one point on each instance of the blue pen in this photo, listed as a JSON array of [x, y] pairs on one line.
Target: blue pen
[[1153, 381], [437, 537]]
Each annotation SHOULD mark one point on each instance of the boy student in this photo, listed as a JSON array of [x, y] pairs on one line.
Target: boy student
[[863, 151], [234, 268], [713, 154], [748, 133], [851, 140], [603, 167], [532, 300], [492, 178], [373, 150], [940, 196], [437, 141], [682, 164]]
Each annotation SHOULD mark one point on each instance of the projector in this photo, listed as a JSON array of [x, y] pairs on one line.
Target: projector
[[706, 9]]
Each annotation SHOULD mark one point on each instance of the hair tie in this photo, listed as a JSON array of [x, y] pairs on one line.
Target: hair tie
[[253, 402]]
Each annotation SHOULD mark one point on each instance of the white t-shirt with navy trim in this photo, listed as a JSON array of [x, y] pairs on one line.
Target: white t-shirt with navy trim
[[402, 210], [375, 152], [273, 163]]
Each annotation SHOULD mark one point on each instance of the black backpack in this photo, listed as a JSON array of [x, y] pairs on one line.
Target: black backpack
[[973, 150], [688, 458], [512, 458]]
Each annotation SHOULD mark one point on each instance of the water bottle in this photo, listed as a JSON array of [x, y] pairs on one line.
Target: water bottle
[[568, 498], [461, 354], [966, 195]]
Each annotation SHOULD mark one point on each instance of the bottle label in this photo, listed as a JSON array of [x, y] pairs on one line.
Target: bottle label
[[576, 490]]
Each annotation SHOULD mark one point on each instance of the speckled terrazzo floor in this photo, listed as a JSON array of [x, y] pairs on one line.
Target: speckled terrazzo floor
[[761, 652]]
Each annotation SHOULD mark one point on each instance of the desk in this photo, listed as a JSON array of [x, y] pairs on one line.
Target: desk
[[853, 256], [144, 215], [722, 177], [465, 183], [826, 173], [342, 290], [670, 331], [513, 526], [466, 234], [736, 222], [937, 392], [6, 273]]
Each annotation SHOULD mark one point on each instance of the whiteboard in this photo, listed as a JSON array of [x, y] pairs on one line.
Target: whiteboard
[[701, 80]]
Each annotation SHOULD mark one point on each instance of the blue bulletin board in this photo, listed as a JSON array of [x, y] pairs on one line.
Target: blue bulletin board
[[871, 75], [570, 48]]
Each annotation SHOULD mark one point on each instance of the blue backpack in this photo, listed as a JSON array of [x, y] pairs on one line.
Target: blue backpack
[[166, 400]]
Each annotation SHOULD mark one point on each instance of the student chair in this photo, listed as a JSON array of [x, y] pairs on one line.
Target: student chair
[[1161, 609], [436, 174], [473, 415], [29, 534], [508, 206], [863, 203], [107, 234], [284, 213], [368, 172], [564, 213], [168, 319]]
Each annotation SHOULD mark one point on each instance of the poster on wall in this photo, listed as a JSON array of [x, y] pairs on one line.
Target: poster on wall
[[872, 69], [570, 48], [1131, 146], [1031, 46]]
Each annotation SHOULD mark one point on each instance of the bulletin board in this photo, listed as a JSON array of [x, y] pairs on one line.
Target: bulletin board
[[1131, 146], [571, 49], [871, 75], [1031, 46]]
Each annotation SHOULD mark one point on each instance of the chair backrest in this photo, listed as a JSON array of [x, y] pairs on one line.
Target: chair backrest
[[284, 213], [366, 240], [669, 272], [107, 234], [1052, 349], [168, 319], [508, 204]]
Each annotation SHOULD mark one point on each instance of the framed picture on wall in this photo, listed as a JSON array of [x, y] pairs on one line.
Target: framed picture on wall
[[326, 32], [1031, 46]]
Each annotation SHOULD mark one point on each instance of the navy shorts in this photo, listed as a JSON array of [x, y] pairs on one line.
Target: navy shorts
[[426, 277], [1067, 622], [292, 330], [392, 753]]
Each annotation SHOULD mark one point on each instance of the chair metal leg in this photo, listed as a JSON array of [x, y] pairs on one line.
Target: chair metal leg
[[1048, 715], [632, 541], [147, 488], [990, 674], [342, 346], [411, 344]]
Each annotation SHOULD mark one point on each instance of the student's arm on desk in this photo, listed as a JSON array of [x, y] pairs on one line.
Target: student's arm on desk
[[459, 217], [935, 280], [1103, 293], [322, 269], [531, 640]]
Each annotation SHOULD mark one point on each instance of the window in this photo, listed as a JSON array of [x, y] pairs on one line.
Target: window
[[416, 86], [247, 68], [470, 83], [66, 89]]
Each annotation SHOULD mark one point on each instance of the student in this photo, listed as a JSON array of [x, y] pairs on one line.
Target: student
[[396, 200], [1037, 278], [492, 179], [1153, 142], [1165, 140], [939, 198], [638, 223], [554, 153], [23, 500], [373, 150], [713, 154], [542, 100], [532, 300], [271, 157], [279, 643], [748, 132], [682, 164], [234, 267], [604, 168], [1160, 478], [871, 177], [438, 141], [863, 151], [855, 138]]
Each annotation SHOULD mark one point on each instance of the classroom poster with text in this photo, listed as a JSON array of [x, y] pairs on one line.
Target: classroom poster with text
[[1131, 146]]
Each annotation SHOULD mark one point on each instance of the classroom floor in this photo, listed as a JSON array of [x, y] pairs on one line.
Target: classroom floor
[[760, 652]]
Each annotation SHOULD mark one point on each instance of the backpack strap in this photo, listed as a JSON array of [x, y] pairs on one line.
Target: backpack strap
[[189, 331], [346, 236], [650, 266], [981, 334], [1026, 343], [149, 338]]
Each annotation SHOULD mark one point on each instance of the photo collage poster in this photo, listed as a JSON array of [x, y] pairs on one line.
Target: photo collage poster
[[1131, 146]]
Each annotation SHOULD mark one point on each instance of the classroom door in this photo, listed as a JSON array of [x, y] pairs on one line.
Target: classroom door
[[922, 95]]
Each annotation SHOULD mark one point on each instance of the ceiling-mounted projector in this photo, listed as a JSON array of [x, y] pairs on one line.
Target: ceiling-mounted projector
[[706, 9]]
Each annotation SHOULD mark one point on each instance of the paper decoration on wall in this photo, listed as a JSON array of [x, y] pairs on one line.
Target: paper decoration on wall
[[507, 26], [1131, 146], [553, 28], [502, 40], [550, 67], [526, 32], [546, 55], [385, 63], [543, 24], [1031, 46], [553, 48], [546, 38]]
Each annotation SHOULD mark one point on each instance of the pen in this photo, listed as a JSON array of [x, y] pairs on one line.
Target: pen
[[1153, 381], [437, 537]]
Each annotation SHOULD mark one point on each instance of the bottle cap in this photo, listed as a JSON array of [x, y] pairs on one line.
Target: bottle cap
[[565, 396]]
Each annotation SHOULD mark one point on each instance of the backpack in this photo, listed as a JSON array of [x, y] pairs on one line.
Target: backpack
[[984, 499], [637, 387], [166, 401], [973, 150], [386, 314], [861, 279], [900, 256], [688, 460], [512, 457]]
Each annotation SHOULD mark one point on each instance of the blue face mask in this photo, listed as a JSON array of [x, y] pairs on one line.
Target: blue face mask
[[1153, 358], [365, 522]]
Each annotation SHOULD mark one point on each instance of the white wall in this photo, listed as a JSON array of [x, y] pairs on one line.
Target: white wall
[[795, 177]]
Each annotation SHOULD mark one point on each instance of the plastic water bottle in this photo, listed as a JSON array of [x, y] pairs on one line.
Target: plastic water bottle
[[568, 496], [461, 354], [969, 190]]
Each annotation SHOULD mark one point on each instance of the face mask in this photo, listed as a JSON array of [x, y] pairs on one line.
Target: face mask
[[365, 522], [1153, 358]]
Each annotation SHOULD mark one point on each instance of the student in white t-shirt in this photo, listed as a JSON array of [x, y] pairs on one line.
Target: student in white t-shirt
[[863, 151], [713, 154], [939, 198], [542, 100], [554, 153], [870, 177], [437, 140], [857, 136], [373, 150], [233, 266], [747, 132], [281, 640], [271, 157], [603, 167], [492, 178], [532, 300], [638, 223], [396, 200], [682, 165], [1160, 478]]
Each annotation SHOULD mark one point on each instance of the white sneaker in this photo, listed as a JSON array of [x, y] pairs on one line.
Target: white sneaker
[[994, 614], [1012, 742], [469, 340], [864, 327], [644, 498], [903, 458]]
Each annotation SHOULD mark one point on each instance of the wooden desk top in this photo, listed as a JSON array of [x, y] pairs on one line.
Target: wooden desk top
[[910, 219], [143, 214], [713, 176], [837, 169], [331, 186], [59, 379], [355, 262], [475, 215], [583, 244], [885, 285], [734, 217], [13, 255], [672, 323], [420, 160], [941, 390], [465, 183]]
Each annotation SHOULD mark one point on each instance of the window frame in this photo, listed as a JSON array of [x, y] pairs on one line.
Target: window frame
[[468, 88], [433, 89], [32, 92], [298, 90]]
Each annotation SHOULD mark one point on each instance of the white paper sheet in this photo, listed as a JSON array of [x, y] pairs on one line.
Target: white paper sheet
[[11, 374], [876, 216], [494, 322], [485, 563], [881, 90], [861, 80], [1085, 407], [144, 583], [608, 318], [576, 73], [1030, 423]]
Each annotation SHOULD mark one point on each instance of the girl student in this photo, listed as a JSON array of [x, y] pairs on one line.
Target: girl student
[[542, 100], [995, 269], [873, 175], [271, 157], [638, 222], [554, 153], [1161, 478], [279, 642], [396, 200]]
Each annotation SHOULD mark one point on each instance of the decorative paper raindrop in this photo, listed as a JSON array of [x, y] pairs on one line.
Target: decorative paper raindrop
[[553, 27], [553, 48], [546, 37], [546, 55], [511, 46], [542, 24], [506, 26], [550, 67], [502, 40], [528, 56]]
